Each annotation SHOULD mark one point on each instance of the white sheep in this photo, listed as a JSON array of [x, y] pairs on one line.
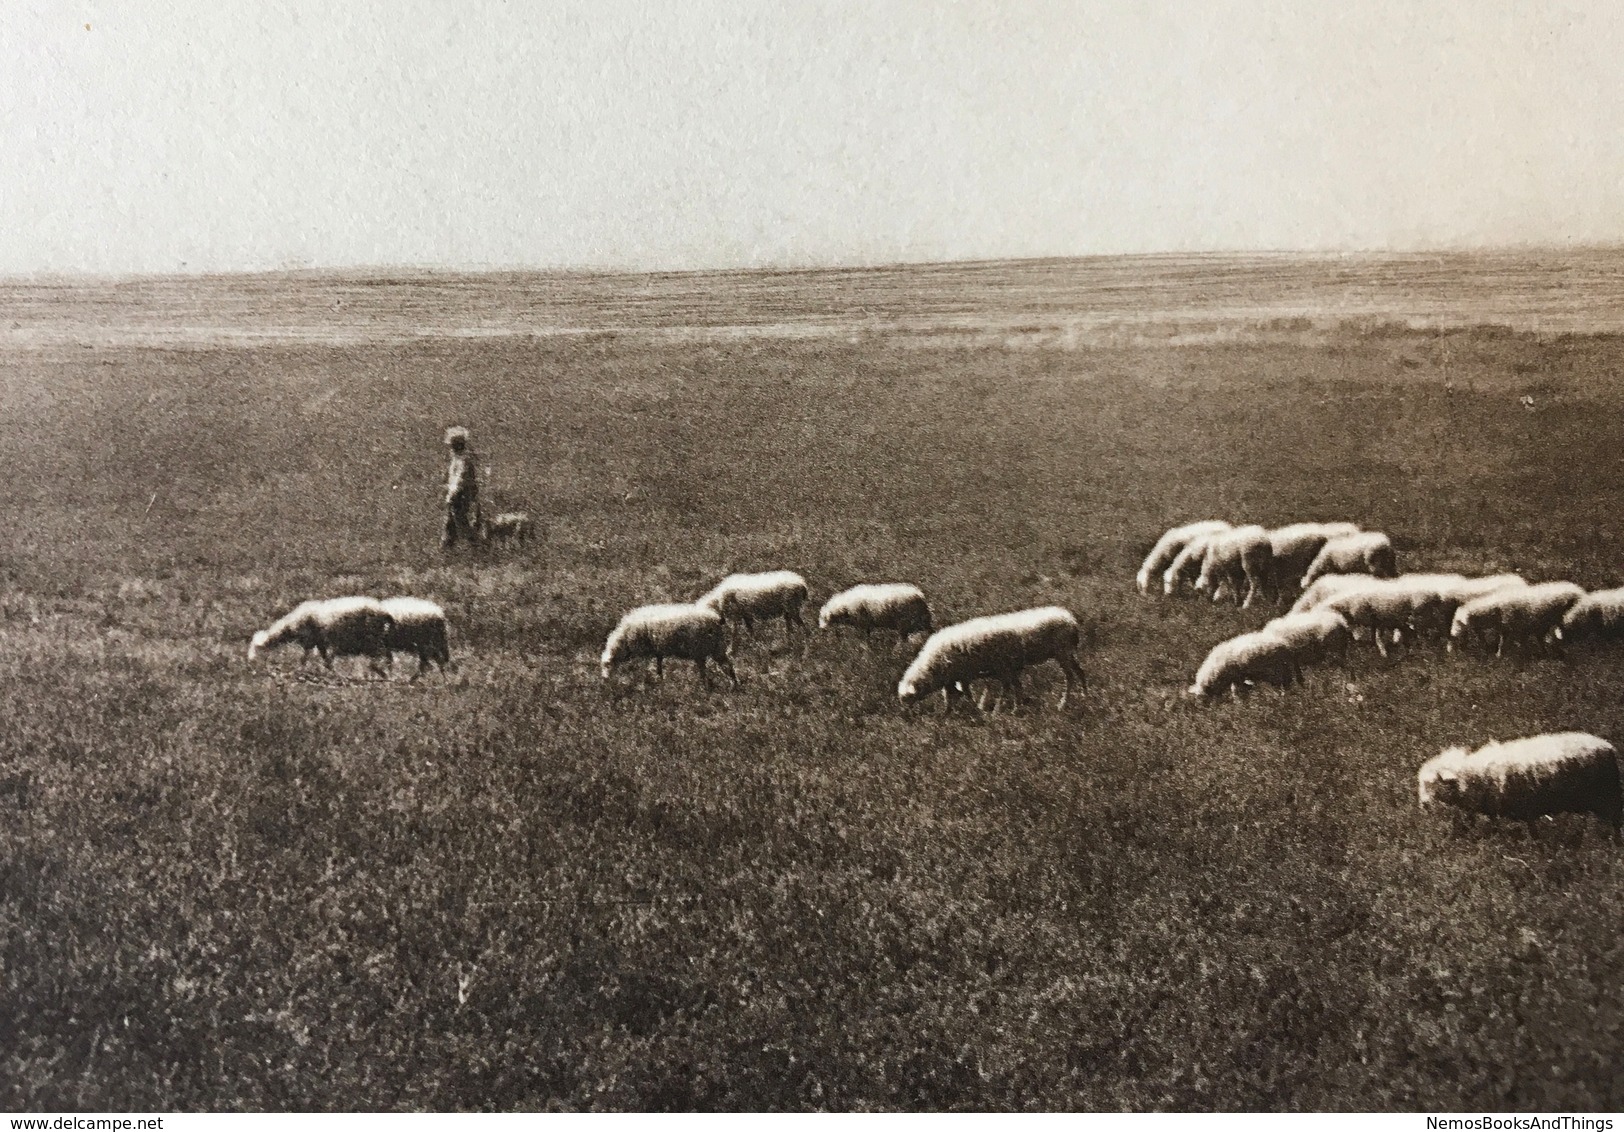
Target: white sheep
[[1598, 616], [335, 626], [420, 628], [1466, 589], [1368, 552], [1186, 564], [1241, 560], [1453, 592], [1312, 637], [1525, 779], [895, 606], [1453, 589], [1295, 545], [1327, 586], [509, 526], [1251, 658], [999, 648], [1387, 608], [1168, 546], [683, 632], [745, 598], [1520, 614]]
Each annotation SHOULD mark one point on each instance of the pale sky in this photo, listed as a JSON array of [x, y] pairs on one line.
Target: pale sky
[[207, 135]]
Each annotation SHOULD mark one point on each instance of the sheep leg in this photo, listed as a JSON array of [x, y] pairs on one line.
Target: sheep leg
[[1379, 633], [1012, 683], [659, 668], [1073, 670], [726, 666], [704, 673]]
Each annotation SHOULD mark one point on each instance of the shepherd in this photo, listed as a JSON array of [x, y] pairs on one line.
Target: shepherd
[[461, 490]]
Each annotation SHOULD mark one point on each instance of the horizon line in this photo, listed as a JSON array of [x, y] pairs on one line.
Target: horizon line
[[364, 270]]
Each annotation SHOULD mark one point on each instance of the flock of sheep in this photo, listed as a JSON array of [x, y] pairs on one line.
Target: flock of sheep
[[997, 648], [1348, 589]]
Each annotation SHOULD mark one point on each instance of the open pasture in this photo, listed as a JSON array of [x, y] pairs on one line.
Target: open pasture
[[226, 885]]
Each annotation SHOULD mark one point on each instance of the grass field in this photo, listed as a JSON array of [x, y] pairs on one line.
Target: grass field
[[226, 886]]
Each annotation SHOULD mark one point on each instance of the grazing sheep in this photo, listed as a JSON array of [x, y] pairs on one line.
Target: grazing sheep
[[1435, 617], [746, 597], [1387, 608], [1251, 658], [509, 526], [1597, 616], [1466, 589], [1525, 779], [896, 606], [1312, 637], [1432, 620], [1520, 614], [683, 632], [1295, 545], [1328, 586], [998, 648], [335, 626], [1186, 564], [1369, 552], [1168, 546], [1240, 559], [420, 627]]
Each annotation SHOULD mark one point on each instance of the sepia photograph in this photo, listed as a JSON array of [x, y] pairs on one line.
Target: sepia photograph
[[836, 557]]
